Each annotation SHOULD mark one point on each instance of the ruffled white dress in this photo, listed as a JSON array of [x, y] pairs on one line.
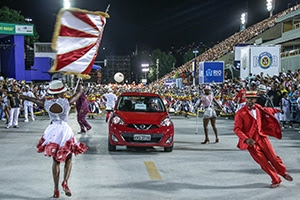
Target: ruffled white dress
[[58, 139]]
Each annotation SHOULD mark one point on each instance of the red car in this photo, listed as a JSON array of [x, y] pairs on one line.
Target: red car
[[140, 119]]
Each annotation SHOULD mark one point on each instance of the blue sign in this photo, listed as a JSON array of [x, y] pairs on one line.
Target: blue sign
[[211, 72], [170, 82]]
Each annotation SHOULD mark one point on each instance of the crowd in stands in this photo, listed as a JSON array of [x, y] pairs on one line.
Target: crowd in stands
[[228, 44]]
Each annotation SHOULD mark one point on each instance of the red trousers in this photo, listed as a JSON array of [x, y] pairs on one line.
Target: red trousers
[[263, 153]]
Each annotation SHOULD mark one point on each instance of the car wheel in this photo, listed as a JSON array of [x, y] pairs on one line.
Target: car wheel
[[111, 147], [168, 149]]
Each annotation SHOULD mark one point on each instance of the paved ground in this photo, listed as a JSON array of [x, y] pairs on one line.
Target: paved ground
[[192, 171]]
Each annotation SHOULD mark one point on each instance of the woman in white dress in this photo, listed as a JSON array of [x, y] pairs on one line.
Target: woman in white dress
[[285, 115], [58, 140]]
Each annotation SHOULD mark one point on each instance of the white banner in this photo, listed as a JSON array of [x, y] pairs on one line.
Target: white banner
[[245, 62], [266, 59]]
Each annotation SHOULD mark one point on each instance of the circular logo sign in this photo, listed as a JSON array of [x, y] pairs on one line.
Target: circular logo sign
[[265, 60]]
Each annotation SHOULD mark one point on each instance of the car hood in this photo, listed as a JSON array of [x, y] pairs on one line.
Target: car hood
[[142, 117]]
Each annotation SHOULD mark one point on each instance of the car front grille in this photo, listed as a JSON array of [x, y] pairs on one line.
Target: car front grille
[[155, 138], [142, 126]]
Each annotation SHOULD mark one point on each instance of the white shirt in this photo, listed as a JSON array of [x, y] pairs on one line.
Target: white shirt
[[29, 94], [111, 99]]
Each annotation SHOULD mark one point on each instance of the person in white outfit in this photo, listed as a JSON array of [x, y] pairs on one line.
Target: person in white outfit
[[28, 105], [285, 115], [58, 140], [111, 99]]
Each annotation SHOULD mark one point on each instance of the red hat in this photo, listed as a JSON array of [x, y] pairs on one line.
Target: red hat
[[251, 94]]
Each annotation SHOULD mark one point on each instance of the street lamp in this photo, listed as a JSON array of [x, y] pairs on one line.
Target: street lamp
[[195, 52], [194, 63], [67, 4]]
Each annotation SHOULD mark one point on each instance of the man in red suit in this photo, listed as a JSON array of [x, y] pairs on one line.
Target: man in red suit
[[253, 124]]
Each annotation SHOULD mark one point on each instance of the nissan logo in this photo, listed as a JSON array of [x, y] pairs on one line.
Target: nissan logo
[[142, 126]]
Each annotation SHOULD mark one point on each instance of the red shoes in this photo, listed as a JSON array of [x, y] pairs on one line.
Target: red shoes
[[207, 141], [288, 177], [56, 193], [66, 188], [274, 185]]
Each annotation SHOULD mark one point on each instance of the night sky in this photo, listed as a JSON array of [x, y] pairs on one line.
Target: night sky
[[151, 24]]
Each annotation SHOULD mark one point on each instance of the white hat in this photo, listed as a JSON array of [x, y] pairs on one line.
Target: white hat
[[109, 90], [262, 88], [207, 87], [56, 87]]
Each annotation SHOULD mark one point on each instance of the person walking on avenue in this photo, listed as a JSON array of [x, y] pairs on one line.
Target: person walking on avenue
[[58, 140], [28, 105], [207, 100], [111, 99], [253, 124], [13, 101], [82, 107]]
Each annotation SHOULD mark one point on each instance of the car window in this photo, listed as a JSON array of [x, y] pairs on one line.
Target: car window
[[140, 104]]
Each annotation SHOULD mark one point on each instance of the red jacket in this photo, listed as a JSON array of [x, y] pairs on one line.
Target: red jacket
[[245, 125]]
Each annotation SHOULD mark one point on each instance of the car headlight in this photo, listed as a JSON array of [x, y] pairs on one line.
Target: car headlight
[[166, 122], [117, 120]]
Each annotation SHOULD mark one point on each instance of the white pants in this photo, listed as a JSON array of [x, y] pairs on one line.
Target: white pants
[[30, 108], [277, 115], [13, 116]]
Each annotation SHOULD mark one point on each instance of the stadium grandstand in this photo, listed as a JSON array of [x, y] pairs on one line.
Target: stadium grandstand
[[280, 29]]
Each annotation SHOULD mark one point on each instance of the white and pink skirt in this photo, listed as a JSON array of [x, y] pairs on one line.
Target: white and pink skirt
[[58, 141]]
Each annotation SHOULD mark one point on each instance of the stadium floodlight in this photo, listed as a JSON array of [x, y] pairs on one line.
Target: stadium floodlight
[[28, 19], [270, 6], [145, 65], [145, 68], [67, 4], [244, 19]]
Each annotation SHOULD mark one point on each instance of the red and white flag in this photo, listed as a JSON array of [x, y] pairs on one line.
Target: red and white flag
[[76, 40]]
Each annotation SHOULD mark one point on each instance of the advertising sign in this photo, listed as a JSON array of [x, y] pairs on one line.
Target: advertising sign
[[16, 29], [211, 72], [170, 82]]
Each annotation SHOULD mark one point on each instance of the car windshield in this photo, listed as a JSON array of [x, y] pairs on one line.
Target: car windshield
[[140, 104]]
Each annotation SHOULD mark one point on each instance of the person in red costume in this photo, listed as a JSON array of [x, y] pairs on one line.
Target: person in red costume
[[253, 124]]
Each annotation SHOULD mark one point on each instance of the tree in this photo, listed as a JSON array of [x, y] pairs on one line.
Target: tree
[[165, 65], [8, 15]]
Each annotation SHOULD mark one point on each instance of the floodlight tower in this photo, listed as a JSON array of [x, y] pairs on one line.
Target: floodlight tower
[[67, 4], [244, 19], [270, 6]]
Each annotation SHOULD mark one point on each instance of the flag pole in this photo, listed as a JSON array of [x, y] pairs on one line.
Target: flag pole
[[107, 9], [77, 83]]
